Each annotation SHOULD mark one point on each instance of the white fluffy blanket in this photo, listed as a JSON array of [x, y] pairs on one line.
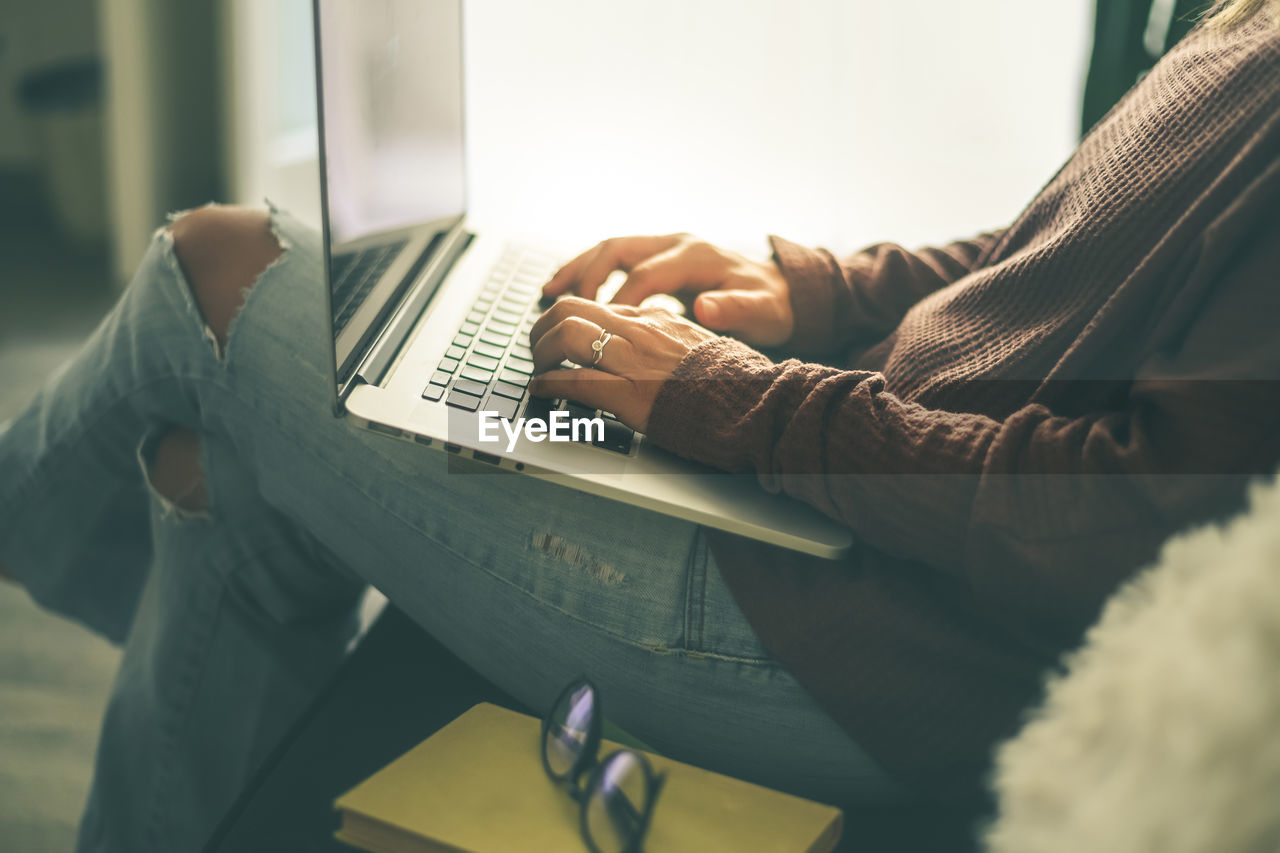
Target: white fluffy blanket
[[1165, 733]]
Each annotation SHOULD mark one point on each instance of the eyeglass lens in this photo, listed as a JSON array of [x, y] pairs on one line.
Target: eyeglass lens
[[569, 729], [617, 803]]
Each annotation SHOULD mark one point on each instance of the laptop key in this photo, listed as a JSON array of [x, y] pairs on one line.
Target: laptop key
[[455, 352], [617, 437], [501, 328], [539, 407], [461, 400], [484, 362], [462, 341], [475, 317], [448, 365], [492, 337], [476, 374], [488, 350], [504, 316], [510, 376], [520, 365], [433, 392], [468, 329], [578, 410], [440, 378], [468, 386], [507, 389], [505, 408], [522, 351]]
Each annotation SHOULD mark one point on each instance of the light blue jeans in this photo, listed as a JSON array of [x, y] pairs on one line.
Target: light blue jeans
[[231, 619]]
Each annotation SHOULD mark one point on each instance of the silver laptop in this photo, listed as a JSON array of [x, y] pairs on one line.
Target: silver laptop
[[430, 316]]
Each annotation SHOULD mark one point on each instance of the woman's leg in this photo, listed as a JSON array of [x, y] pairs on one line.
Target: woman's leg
[[237, 619], [528, 582], [238, 626], [70, 483]]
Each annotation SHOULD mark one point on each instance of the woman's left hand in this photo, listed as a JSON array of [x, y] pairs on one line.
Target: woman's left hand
[[645, 346]]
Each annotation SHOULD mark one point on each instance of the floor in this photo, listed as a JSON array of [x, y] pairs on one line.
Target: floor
[[54, 675]]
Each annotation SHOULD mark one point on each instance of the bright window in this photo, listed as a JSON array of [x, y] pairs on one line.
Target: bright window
[[829, 121]]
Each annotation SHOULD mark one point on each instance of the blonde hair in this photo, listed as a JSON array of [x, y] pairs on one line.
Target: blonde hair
[[1227, 13]]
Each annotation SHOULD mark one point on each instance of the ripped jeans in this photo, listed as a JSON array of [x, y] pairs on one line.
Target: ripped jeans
[[232, 618]]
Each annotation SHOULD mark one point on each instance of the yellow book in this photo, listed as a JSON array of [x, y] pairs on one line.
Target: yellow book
[[477, 785]]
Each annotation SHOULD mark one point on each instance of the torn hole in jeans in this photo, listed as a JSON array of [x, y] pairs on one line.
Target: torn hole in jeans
[[165, 237], [184, 496], [283, 247]]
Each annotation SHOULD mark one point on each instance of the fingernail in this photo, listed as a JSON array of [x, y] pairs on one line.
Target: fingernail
[[709, 310]]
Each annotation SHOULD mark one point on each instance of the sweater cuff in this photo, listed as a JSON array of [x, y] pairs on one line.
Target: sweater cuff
[[701, 409], [811, 276]]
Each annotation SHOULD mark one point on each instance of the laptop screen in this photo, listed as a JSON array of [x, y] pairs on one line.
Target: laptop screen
[[392, 123]]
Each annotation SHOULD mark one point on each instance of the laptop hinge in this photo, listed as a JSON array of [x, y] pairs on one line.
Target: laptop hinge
[[381, 355]]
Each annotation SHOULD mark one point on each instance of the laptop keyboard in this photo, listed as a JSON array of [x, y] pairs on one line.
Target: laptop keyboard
[[488, 365], [354, 274]]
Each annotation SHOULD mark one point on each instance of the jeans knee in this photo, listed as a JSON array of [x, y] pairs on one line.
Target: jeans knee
[[175, 473], [222, 251]]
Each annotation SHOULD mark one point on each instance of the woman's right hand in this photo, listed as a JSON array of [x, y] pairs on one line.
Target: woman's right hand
[[735, 295]]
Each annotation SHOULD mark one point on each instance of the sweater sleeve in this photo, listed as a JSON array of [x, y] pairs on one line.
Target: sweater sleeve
[[1041, 513], [836, 302]]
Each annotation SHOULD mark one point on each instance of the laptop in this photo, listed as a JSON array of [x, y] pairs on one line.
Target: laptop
[[430, 314]]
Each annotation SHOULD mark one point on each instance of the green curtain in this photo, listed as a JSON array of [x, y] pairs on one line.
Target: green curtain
[[1120, 56]]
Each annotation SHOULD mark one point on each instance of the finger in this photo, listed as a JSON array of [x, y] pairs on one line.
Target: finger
[[584, 274], [564, 279], [689, 267], [617, 255], [615, 319], [572, 339], [591, 387], [752, 314]]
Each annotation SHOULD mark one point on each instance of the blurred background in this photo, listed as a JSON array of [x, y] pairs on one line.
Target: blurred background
[[833, 122]]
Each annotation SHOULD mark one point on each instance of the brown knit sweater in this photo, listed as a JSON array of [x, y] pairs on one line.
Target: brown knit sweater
[[1013, 424]]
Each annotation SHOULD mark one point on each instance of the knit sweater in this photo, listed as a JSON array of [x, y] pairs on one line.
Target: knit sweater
[[1010, 425]]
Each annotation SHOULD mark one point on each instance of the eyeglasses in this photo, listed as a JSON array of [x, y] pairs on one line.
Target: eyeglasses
[[620, 792]]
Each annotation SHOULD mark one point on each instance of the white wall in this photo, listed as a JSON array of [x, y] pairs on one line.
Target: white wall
[[829, 121]]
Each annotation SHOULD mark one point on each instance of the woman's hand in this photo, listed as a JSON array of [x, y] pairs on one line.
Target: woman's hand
[[735, 295], [645, 346]]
